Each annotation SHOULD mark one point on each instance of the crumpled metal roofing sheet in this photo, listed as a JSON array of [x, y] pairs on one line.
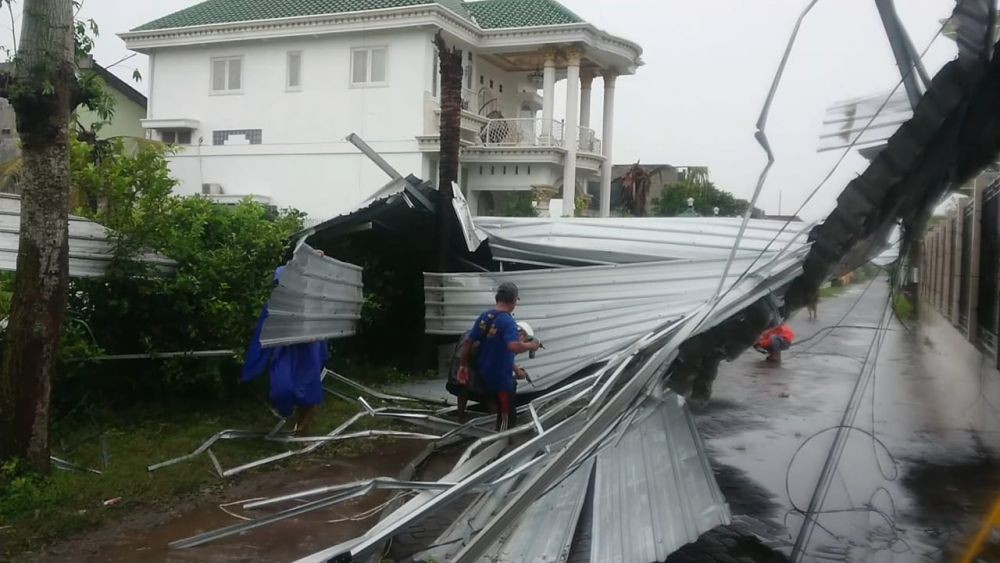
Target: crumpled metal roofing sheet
[[582, 425], [847, 122], [90, 251], [623, 240], [545, 532], [653, 490], [585, 314], [317, 298]]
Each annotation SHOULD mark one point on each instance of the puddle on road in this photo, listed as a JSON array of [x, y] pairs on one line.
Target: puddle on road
[[744, 495], [951, 498]]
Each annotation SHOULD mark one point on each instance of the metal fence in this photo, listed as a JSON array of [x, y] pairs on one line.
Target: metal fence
[[960, 267], [987, 327], [964, 290]]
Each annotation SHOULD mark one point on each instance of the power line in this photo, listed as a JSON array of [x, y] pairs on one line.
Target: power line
[[836, 166], [865, 376]]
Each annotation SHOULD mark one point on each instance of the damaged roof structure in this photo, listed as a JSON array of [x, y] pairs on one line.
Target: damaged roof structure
[[633, 312]]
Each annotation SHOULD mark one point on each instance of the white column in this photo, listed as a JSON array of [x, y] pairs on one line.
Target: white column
[[586, 81], [608, 141], [548, 95], [571, 133], [473, 200]]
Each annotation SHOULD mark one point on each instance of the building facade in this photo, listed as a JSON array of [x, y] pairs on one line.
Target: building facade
[[260, 95], [129, 111]]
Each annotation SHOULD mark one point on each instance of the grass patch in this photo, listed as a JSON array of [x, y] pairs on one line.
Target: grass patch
[[36, 510], [831, 291], [904, 308]]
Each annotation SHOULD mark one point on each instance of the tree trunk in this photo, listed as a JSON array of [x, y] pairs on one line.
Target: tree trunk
[[42, 93], [451, 136]]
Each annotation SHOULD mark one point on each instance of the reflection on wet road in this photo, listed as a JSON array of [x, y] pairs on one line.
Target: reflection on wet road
[[934, 404]]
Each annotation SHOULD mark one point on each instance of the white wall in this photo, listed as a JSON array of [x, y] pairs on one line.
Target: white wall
[[327, 181], [303, 160], [510, 99], [510, 176]]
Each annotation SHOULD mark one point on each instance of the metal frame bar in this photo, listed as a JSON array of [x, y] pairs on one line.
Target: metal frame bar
[[902, 50]]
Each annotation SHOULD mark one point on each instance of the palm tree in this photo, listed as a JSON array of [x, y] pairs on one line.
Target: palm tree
[[450, 61]]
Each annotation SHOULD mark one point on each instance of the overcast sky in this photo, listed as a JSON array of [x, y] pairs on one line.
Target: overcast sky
[[708, 66]]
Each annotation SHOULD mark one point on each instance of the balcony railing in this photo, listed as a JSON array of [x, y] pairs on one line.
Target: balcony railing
[[522, 132], [587, 141], [534, 132], [470, 100]]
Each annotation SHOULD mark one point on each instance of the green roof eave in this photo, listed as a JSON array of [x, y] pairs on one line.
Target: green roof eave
[[484, 14], [221, 12]]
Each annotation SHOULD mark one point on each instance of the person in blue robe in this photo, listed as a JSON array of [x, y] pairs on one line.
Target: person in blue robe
[[295, 372]]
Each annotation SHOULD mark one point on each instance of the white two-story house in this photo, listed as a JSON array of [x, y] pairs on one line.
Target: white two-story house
[[259, 96]]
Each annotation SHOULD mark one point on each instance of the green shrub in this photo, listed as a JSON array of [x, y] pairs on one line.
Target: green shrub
[[226, 256], [904, 308]]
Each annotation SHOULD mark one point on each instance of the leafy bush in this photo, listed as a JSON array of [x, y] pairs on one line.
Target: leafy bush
[[904, 308], [515, 204], [226, 256], [673, 200]]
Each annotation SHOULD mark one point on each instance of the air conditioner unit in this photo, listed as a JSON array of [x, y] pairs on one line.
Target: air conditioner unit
[[212, 189]]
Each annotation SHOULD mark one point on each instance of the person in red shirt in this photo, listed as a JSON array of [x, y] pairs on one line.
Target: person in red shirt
[[774, 341]]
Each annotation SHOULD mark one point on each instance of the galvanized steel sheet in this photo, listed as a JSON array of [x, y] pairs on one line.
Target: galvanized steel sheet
[[317, 298], [90, 251], [653, 490], [622, 240]]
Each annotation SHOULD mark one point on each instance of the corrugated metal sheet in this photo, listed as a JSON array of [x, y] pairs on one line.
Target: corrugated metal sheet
[[89, 248], [848, 121], [575, 428], [653, 490], [583, 241], [387, 204], [317, 298], [546, 530], [585, 314]]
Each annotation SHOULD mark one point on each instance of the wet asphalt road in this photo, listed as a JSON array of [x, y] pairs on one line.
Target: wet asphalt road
[[934, 403]]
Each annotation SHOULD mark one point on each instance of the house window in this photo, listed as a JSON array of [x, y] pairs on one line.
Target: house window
[[176, 136], [294, 74], [237, 137], [227, 75], [368, 66]]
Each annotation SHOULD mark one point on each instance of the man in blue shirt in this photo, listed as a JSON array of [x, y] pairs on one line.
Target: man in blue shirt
[[497, 334]]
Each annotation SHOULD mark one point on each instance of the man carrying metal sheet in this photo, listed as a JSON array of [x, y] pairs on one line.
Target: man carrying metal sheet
[[497, 334], [295, 372]]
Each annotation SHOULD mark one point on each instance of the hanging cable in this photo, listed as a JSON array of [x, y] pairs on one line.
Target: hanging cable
[[761, 136], [833, 170], [865, 375]]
